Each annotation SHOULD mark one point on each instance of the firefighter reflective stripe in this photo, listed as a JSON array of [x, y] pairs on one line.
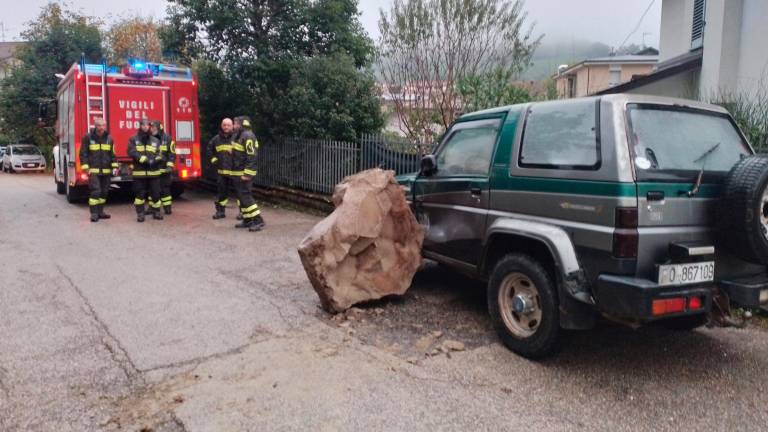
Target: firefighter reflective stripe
[[250, 147], [249, 172], [238, 147], [247, 214], [155, 204], [115, 165], [93, 201], [173, 147], [224, 202], [94, 147], [142, 159], [139, 173], [164, 148], [224, 147], [246, 123], [214, 159], [141, 147], [102, 200], [231, 172], [166, 200], [85, 167], [169, 164], [151, 149], [100, 171], [138, 201]]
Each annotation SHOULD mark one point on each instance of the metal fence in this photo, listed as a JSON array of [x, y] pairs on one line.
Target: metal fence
[[318, 165]]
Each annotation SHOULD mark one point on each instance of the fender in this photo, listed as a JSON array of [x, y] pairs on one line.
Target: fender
[[576, 301]]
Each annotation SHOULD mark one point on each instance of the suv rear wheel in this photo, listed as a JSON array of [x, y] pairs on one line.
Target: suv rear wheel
[[522, 302]]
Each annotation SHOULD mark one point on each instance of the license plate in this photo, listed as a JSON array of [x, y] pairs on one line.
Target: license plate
[[682, 274], [29, 165]]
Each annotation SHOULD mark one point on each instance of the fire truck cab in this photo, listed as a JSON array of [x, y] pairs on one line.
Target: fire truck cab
[[123, 97]]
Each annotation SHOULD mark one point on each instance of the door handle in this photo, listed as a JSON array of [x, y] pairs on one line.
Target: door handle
[[476, 191]]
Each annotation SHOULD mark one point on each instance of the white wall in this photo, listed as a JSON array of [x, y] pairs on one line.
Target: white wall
[[676, 21], [753, 50], [722, 41]]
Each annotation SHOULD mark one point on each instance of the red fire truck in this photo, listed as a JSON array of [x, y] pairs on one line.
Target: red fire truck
[[123, 97]]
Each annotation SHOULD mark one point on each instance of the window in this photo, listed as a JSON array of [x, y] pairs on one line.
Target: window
[[697, 27], [562, 135], [614, 75], [667, 140], [185, 131], [468, 149]]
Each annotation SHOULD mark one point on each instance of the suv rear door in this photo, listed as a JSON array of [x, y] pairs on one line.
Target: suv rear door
[[453, 203]]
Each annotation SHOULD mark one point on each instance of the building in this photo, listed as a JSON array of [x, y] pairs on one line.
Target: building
[[708, 48], [6, 56], [597, 74]]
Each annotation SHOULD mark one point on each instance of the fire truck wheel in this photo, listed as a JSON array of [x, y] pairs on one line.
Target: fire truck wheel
[[61, 188]]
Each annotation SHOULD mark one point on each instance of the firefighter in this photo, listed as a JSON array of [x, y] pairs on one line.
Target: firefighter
[[220, 149], [97, 159], [148, 161], [243, 170], [168, 148]]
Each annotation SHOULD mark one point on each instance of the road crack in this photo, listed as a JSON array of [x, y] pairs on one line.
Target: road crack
[[116, 351]]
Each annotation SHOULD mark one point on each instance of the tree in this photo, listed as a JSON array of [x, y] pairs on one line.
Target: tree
[[427, 46], [311, 105], [492, 89], [266, 51], [134, 37], [56, 38]]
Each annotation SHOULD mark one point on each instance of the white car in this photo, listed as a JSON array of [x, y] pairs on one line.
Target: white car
[[22, 158]]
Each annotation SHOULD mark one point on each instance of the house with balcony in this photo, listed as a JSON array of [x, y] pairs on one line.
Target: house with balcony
[[597, 74]]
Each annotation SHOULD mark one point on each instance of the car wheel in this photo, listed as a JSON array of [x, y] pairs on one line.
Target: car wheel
[[743, 210], [523, 306], [686, 323], [61, 188]]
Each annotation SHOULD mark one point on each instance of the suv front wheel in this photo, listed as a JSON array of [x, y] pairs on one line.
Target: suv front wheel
[[522, 302]]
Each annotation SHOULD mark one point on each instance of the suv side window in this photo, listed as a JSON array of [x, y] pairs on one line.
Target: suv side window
[[562, 135], [468, 150]]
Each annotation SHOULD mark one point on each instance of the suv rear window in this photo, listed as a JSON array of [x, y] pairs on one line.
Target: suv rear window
[[561, 135], [671, 141]]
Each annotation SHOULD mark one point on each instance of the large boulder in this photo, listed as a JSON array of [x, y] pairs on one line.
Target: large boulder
[[368, 248]]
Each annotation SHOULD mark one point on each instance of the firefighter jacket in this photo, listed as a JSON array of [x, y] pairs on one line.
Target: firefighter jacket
[[148, 159], [168, 148], [97, 154], [244, 153], [220, 147]]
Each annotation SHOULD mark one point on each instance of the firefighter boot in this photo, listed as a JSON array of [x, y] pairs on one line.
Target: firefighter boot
[[257, 224], [246, 223], [219, 212], [103, 215], [167, 209], [140, 217], [94, 214], [157, 214]]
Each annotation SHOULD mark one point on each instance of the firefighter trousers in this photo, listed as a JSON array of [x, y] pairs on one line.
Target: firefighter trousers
[[165, 190], [244, 191], [146, 188], [98, 188], [223, 185]]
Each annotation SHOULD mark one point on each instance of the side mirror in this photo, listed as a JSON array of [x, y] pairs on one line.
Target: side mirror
[[428, 165]]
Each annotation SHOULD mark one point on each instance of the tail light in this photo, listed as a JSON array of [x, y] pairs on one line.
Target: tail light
[[625, 237], [668, 306], [184, 173], [83, 176], [695, 303]]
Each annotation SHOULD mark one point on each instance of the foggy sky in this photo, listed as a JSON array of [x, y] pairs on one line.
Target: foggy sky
[[607, 21]]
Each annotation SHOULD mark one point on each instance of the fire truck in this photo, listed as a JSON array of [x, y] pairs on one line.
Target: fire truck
[[123, 96]]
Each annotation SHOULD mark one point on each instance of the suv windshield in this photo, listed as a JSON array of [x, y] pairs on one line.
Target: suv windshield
[[671, 142], [26, 150]]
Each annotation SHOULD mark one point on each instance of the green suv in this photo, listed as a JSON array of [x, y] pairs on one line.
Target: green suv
[[639, 209]]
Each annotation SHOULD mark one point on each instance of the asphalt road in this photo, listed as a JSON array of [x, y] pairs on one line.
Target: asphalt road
[[189, 324]]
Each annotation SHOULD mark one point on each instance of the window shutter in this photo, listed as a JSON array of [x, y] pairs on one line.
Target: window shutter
[[697, 29]]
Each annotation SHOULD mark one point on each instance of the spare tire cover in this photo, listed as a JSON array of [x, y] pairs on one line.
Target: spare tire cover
[[743, 213]]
